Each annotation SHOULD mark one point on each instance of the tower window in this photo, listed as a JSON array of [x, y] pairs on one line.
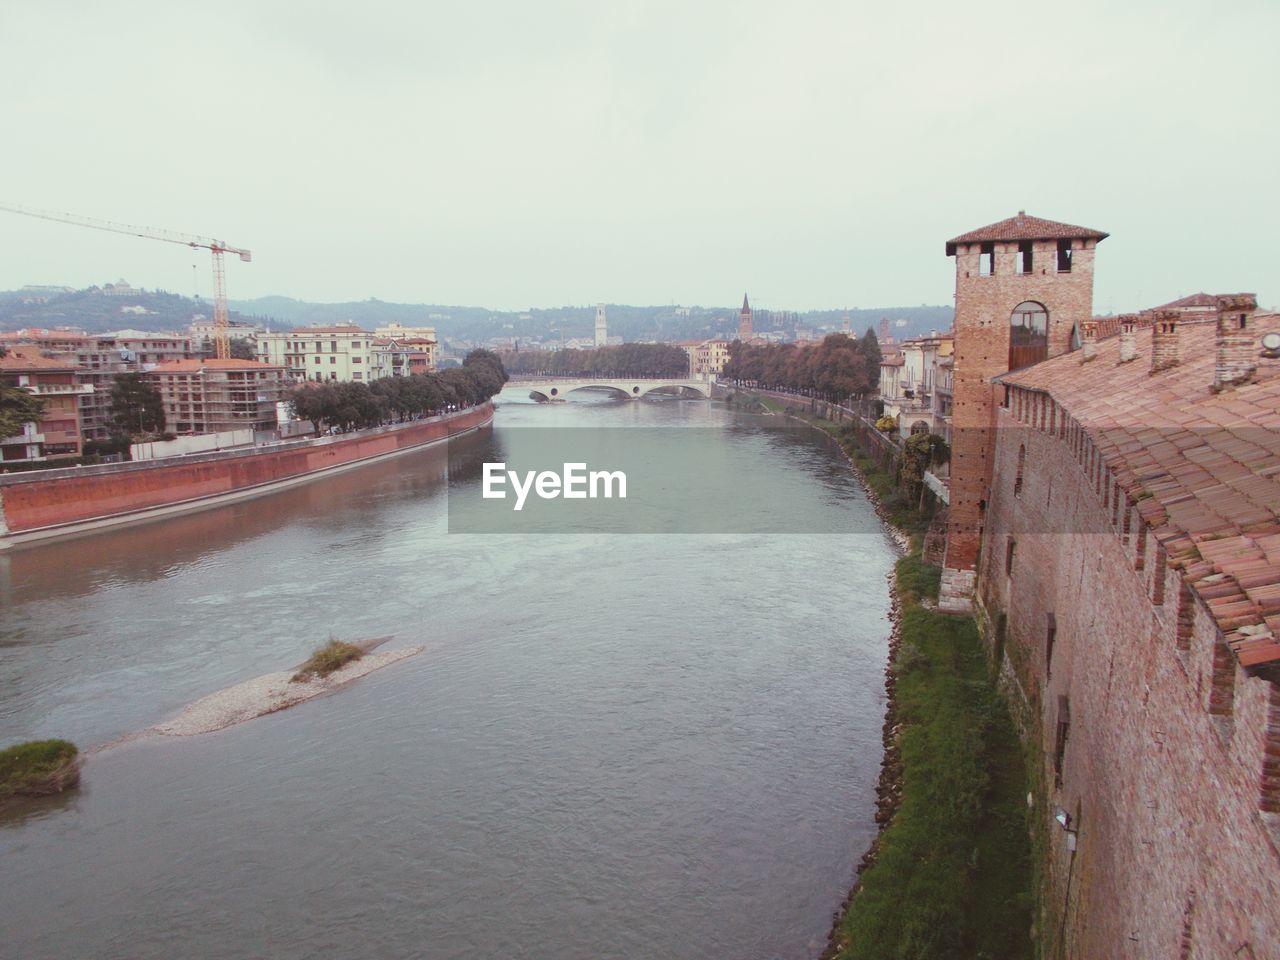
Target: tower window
[[1025, 253], [1064, 256], [987, 260], [1028, 335]]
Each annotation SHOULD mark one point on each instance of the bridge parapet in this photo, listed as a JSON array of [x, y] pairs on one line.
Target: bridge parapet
[[555, 388]]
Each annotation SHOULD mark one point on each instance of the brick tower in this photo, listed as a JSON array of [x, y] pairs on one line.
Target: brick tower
[[1024, 290], [744, 321]]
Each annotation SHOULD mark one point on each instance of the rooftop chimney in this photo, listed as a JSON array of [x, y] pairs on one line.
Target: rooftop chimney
[[1164, 340], [1128, 345], [1089, 340], [1236, 351]]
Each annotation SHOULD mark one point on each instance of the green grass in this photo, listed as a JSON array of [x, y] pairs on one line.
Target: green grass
[[327, 659], [917, 580], [953, 875], [38, 767]]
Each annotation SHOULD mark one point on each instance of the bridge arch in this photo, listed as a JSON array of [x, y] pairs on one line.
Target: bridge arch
[[549, 389]]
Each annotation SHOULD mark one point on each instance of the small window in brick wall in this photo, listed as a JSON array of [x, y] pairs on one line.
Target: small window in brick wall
[[1025, 253], [1017, 480], [1051, 634], [987, 260], [1063, 730], [1064, 256], [1008, 556]]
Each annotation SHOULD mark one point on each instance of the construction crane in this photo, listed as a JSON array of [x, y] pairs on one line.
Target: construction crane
[[216, 247]]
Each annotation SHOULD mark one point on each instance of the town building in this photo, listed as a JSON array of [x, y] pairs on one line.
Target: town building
[[914, 388], [98, 360], [348, 353], [342, 352], [401, 356], [57, 434], [744, 321], [398, 331], [1113, 526], [212, 396], [706, 357], [202, 331]]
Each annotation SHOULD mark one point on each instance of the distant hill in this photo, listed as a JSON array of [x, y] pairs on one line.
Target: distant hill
[[548, 325], [99, 309], [117, 306]]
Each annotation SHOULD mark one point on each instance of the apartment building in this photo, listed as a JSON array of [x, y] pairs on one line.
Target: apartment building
[[915, 385], [57, 433], [348, 353], [211, 396]]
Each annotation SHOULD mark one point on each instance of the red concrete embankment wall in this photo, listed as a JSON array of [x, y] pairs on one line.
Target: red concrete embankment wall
[[33, 503]]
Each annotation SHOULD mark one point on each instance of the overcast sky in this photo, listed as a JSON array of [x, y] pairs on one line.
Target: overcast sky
[[523, 154]]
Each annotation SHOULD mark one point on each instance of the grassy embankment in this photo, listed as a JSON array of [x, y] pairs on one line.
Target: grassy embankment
[[326, 659], [951, 876], [38, 767]]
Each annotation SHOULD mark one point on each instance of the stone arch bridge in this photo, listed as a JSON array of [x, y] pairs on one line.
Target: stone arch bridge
[[555, 388]]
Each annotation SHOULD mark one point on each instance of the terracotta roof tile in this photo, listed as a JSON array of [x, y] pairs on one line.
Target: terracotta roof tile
[[1024, 227], [18, 359], [1202, 468]]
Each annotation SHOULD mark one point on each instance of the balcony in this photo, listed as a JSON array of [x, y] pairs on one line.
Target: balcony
[[22, 438], [58, 389]]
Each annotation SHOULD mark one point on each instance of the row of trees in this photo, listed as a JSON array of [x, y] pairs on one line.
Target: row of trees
[[354, 406], [623, 360], [837, 368]]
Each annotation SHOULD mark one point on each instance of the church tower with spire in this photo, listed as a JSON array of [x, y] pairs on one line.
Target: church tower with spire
[[744, 321]]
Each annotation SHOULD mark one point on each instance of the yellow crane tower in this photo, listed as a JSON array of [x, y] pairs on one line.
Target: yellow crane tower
[[216, 247]]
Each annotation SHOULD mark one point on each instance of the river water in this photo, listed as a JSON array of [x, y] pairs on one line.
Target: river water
[[615, 745]]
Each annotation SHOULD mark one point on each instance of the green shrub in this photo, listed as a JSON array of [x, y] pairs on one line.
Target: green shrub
[[327, 659], [38, 767]]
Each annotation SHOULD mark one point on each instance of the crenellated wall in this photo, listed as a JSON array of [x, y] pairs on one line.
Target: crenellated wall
[[1154, 740]]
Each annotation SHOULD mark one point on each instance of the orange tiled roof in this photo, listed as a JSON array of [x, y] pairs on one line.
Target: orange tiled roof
[[1023, 227], [1207, 301], [1203, 468], [19, 359], [31, 333]]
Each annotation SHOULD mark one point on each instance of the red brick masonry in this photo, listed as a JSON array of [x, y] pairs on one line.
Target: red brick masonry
[[58, 498]]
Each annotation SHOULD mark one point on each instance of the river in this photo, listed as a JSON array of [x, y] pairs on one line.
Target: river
[[624, 744]]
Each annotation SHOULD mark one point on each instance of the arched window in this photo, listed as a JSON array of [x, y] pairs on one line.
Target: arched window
[[1028, 335], [920, 426]]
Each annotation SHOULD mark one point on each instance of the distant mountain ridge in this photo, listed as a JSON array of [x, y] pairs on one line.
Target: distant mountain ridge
[[119, 306]]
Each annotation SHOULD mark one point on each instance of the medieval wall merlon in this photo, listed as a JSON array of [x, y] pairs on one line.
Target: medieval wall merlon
[[1172, 748]]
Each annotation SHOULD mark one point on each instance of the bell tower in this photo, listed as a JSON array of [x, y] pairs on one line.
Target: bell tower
[[744, 321], [1024, 290]]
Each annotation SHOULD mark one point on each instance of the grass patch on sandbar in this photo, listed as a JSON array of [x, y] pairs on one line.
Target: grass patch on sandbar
[[38, 767], [330, 657]]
